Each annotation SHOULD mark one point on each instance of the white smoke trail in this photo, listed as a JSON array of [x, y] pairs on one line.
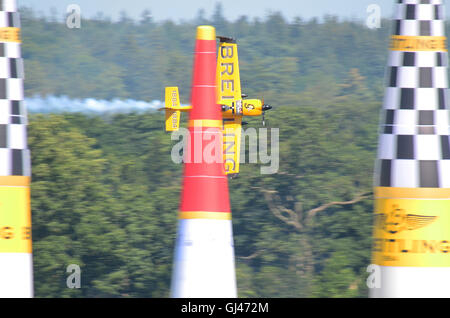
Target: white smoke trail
[[60, 104]]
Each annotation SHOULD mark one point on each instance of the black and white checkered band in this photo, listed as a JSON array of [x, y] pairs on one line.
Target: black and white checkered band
[[14, 153], [414, 142], [419, 18]]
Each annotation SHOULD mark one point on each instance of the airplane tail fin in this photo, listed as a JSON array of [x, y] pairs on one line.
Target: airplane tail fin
[[172, 116]]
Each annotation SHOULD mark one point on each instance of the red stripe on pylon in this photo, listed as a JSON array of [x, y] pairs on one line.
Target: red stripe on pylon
[[205, 186], [205, 194], [204, 152], [202, 46], [204, 82], [203, 96]]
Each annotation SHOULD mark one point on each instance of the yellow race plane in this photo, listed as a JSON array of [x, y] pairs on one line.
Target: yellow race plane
[[230, 98]]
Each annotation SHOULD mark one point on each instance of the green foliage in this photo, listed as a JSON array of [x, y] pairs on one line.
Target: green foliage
[[105, 195], [105, 192], [128, 59], [100, 209]]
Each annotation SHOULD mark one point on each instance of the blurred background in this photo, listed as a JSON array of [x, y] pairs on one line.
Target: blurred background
[[105, 192]]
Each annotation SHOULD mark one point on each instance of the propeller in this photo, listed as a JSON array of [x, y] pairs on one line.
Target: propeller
[[264, 108]]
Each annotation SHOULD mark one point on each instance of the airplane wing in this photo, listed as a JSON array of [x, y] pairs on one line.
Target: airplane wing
[[172, 113], [229, 89], [227, 72], [232, 144]]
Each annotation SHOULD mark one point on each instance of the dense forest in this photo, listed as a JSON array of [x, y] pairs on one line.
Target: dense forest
[[105, 192]]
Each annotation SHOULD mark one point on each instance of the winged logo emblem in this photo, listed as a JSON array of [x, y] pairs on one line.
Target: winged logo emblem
[[397, 220]]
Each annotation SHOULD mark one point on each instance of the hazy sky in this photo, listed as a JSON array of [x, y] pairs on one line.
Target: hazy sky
[[187, 9]]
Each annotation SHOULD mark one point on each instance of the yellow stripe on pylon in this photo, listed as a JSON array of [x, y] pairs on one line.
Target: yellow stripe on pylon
[[15, 220], [411, 232], [209, 123], [206, 32], [10, 34], [15, 181], [412, 193], [418, 43], [205, 215]]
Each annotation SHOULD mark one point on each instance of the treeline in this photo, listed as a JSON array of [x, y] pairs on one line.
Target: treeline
[[136, 59], [105, 192], [105, 196]]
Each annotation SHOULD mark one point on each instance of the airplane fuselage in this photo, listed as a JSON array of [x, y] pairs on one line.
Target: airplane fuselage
[[241, 107]]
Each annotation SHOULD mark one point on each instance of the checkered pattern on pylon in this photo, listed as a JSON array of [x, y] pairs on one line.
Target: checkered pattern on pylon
[[419, 18], [414, 142], [8, 6], [14, 153]]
